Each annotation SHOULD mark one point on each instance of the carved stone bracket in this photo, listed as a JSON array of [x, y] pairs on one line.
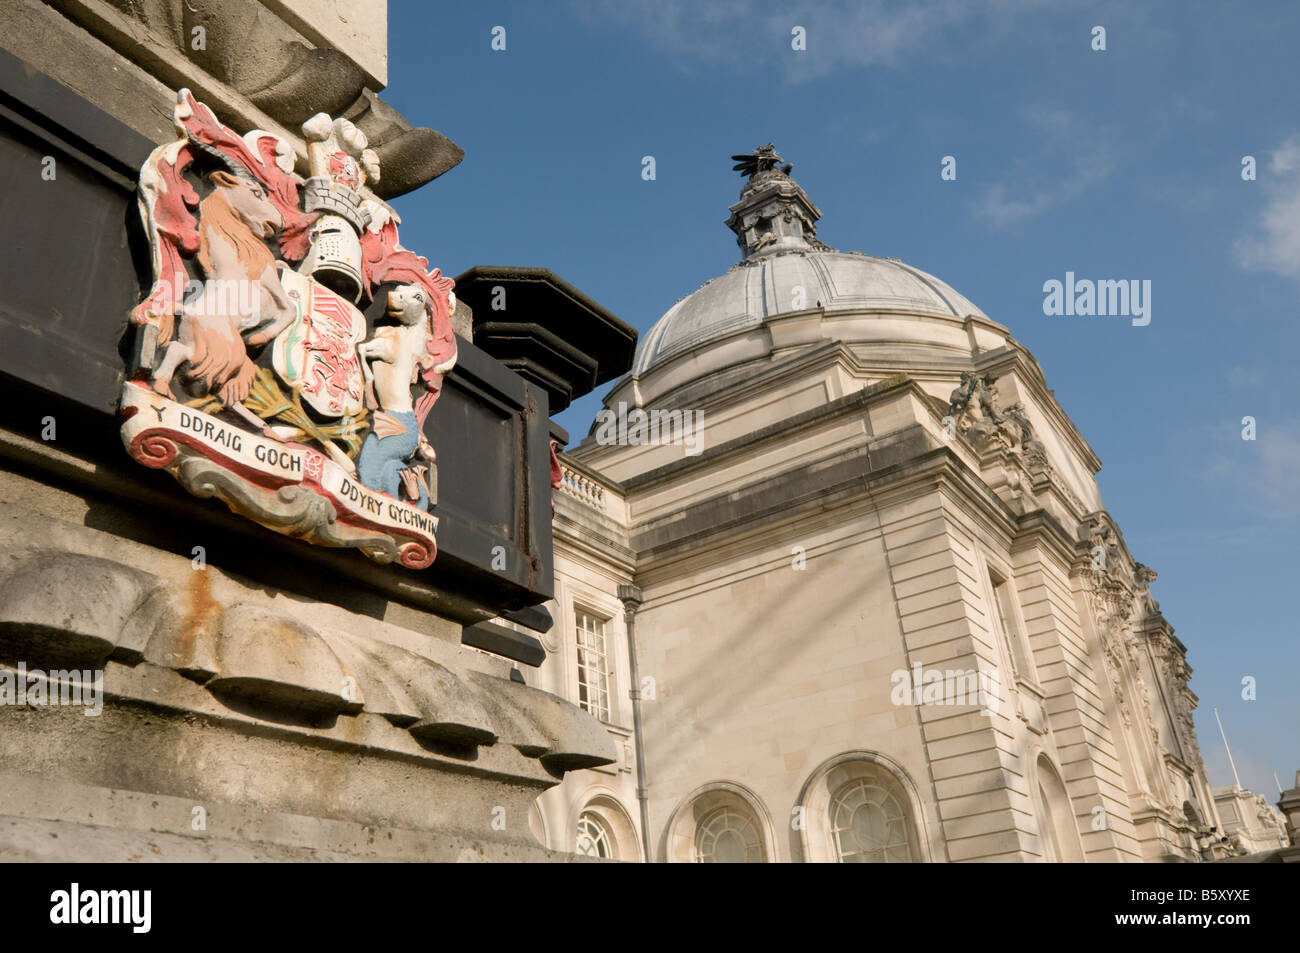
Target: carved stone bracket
[[64, 609]]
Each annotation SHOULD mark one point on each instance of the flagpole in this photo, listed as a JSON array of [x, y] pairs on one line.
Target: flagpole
[[1229, 750]]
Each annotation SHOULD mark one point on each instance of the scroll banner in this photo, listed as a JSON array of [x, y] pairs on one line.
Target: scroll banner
[[286, 487]]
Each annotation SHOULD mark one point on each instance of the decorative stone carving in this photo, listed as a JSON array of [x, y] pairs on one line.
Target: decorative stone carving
[[73, 608], [1113, 650], [1014, 462], [1144, 576], [1129, 622], [1111, 594], [258, 379], [1171, 662], [1145, 696], [974, 406]]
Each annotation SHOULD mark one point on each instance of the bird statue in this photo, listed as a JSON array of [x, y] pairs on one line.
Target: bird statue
[[762, 159]]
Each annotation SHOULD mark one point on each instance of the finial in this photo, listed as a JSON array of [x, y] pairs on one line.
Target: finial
[[762, 159], [774, 215]]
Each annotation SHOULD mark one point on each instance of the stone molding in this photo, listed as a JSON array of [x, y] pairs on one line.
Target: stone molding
[[60, 608]]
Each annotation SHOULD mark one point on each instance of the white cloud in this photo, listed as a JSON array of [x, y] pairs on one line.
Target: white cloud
[[1264, 472], [840, 34], [1279, 470], [1286, 159], [754, 36], [1274, 242], [1068, 165]]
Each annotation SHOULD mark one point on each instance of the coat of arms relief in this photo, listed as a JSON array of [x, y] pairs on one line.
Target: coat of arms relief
[[290, 349]]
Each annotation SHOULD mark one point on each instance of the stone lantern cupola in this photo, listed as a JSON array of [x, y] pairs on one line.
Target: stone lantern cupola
[[774, 214]]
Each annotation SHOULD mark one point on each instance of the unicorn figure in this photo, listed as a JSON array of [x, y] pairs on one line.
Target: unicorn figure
[[234, 221], [391, 361]]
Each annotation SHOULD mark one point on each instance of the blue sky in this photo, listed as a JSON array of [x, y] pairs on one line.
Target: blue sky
[[1117, 164]]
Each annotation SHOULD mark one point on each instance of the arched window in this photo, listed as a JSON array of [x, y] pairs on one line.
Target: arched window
[[1058, 829], [869, 824], [860, 807], [720, 823], [728, 836], [594, 839], [603, 828]]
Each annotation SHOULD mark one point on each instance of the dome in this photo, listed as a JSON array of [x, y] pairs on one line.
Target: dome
[[755, 290], [785, 268]]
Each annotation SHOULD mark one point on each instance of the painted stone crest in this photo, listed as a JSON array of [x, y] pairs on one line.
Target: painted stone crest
[[289, 350]]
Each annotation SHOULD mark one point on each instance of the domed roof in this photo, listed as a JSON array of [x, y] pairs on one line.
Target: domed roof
[[786, 268], [753, 291]]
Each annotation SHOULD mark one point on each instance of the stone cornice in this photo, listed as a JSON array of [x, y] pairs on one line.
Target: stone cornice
[[711, 455], [821, 486], [1041, 528], [575, 538]]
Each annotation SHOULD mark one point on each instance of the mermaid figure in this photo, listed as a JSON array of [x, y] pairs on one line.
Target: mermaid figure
[[399, 353]]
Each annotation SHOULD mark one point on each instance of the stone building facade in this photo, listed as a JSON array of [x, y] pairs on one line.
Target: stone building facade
[[852, 594], [881, 612]]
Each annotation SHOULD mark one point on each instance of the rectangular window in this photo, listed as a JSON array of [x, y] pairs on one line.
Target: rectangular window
[[593, 664], [1004, 610]]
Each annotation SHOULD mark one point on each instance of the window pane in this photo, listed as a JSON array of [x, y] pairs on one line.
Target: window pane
[[728, 837], [593, 665], [593, 837], [868, 824]]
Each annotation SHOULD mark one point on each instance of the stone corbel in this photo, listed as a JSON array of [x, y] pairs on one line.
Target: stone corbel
[[69, 610], [1013, 485]]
